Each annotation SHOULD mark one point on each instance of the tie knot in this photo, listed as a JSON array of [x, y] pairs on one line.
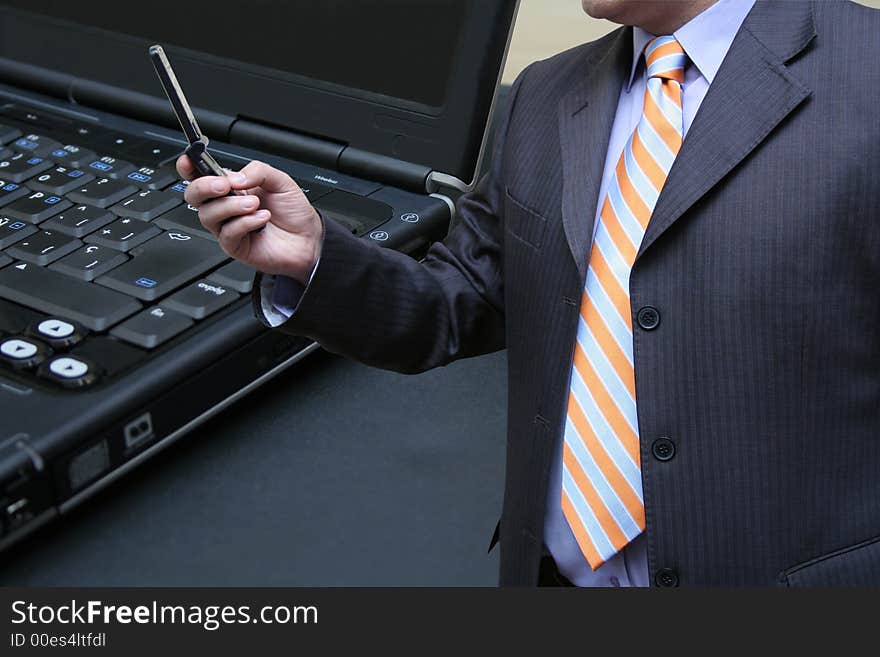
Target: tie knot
[[665, 58]]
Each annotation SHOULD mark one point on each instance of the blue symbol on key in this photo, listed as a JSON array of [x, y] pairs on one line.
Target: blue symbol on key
[[11, 187], [35, 160], [60, 153], [18, 225], [140, 177], [76, 173], [179, 187], [101, 166], [52, 200], [146, 282], [29, 144]]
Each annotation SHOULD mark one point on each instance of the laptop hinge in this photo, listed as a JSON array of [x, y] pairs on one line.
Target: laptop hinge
[[36, 78], [330, 155], [144, 107]]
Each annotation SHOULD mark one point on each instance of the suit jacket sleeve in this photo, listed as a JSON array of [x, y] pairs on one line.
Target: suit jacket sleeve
[[383, 308]]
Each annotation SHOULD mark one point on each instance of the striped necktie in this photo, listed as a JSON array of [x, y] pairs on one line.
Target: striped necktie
[[601, 477]]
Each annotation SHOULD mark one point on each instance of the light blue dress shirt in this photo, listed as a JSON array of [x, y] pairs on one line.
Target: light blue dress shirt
[[706, 39]]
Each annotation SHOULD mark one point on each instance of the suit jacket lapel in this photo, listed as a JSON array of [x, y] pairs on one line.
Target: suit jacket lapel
[[586, 114], [751, 94]]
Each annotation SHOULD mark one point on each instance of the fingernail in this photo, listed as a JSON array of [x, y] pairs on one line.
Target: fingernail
[[218, 186], [238, 178], [249, 204], [263, 214]]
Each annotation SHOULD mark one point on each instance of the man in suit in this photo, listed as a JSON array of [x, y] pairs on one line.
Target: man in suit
[[678, 243]]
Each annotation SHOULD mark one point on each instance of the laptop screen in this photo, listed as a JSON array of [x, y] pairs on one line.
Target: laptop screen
[[389, 45], [412, 80]]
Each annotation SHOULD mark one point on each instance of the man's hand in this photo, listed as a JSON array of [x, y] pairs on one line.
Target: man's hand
[[290, 241]]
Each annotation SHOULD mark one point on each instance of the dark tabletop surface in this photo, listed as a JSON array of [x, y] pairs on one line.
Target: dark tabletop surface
[[332, 474]]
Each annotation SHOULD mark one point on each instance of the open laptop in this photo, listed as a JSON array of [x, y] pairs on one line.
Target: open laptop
[[122, 323]]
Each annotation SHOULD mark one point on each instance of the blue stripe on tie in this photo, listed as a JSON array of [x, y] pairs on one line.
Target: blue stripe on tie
[[656, 43], [668, 109], [605, 434], [620, 269], [600, 363], [655, 146], [625, 404], [642, 184], [625, 215], [603, 488], [608, 312], [588, 518]]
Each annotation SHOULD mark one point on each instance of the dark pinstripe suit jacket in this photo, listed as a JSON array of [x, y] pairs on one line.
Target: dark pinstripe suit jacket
[[762, 257]]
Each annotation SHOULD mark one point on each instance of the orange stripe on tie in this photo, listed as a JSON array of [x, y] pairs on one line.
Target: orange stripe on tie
[[608, 344], [631, 197], [667, 132], [673, 93], [619, 297], [671, 48], [648, 164], [605, 402], [615, 479], [618, 235], [580, 534], [600, 510]]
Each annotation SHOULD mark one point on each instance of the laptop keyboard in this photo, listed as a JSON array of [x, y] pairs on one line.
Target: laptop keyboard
[[101, 260]]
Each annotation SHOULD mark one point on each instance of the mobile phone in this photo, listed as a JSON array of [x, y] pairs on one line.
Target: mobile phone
[[197, 149]]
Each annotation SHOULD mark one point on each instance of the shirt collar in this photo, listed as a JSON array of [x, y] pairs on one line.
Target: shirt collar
[[706, 38]]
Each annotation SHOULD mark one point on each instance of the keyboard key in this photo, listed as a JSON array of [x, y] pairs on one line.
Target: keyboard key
[[200, 299], [69, 371], [164, 264], [123, 234], [102, 192], [152, 327], [146, 205], [236, 275], [43, 247], [14, 230], [9, 191], [8, 133], [4, 260], [57, 332], [19, 167], [21, 353], [6, 152], [186, 218], [60, 180], [15, 318], [152, 178], [93, 306], [152, 152], [79, 220], [35, 145], [178, 188], [89, 262], [110, 167], [72, 156], [36, 208], [116, 142]]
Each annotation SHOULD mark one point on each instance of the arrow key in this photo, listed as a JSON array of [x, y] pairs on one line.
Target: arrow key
[[20, 353], [89, 262], [70, 372]]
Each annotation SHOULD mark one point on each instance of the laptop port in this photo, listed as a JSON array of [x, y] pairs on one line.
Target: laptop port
[[138, 431]]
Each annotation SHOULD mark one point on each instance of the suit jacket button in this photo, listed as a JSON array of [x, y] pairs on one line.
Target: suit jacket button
[[648, 318], [663, 449], [666, 577]]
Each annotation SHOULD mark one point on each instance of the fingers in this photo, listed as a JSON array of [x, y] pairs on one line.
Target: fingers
[[233, 234], [214, 213], [185, 168], [260, 174]]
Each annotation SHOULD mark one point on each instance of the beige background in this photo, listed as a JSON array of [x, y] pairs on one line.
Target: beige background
[[546, 27]]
